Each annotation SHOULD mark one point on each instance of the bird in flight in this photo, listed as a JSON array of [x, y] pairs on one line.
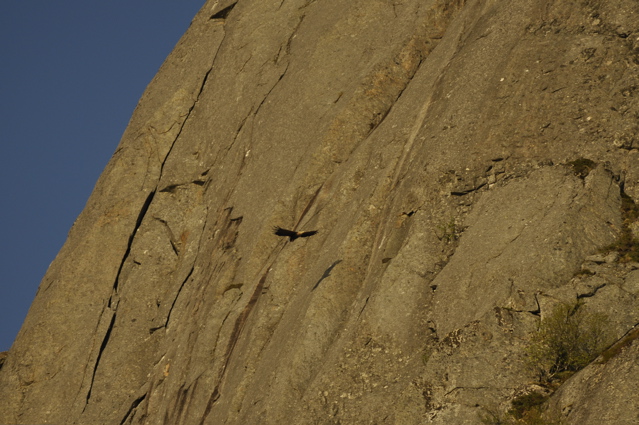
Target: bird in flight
[[292, 235]]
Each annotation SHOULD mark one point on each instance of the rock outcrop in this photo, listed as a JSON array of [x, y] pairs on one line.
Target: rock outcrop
[[463, 161]]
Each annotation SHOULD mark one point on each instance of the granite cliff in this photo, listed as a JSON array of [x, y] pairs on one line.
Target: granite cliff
[[469, 164]]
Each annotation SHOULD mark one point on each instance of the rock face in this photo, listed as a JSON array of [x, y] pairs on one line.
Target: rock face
[[439, 148]]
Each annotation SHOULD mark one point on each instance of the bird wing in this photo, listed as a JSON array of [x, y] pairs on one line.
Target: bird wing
[[307, 234], [283, 232]]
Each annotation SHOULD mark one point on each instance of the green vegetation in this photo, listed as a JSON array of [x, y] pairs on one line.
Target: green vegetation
[[566, 341], [448, 232]]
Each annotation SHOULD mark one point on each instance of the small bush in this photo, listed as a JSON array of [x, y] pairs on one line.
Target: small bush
[[448, 232], [567, 340]]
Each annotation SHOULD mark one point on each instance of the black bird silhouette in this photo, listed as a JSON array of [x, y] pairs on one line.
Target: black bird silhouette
[[292, 235]]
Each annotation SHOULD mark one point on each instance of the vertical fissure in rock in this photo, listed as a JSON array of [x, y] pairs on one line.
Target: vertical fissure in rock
[[105, 340], [138, 223], [188, 114], [310, 203], [168, 316], [270, 91], [132, 408]]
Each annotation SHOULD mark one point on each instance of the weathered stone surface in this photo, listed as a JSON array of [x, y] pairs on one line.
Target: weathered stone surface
[[524, 238], [439, 148], [587, 397]]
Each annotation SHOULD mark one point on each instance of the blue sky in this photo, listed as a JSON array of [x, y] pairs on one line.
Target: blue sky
[[70, 76]]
